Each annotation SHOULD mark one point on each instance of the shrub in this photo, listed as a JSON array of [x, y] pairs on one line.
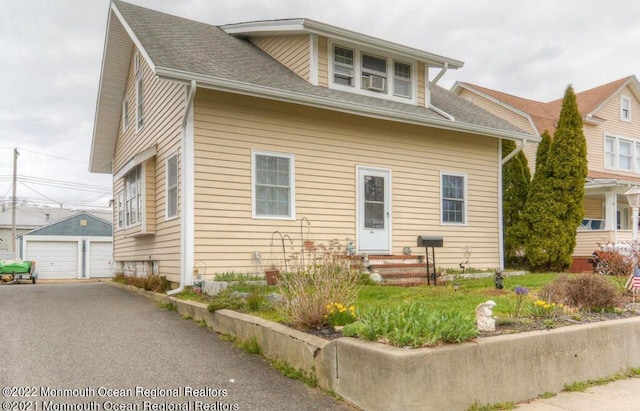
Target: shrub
[[612, 263], [413, 325], [308, 288], [149, 282], [584, 291]]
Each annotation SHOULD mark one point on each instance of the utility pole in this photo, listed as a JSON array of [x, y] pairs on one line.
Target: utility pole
[[14, 200]]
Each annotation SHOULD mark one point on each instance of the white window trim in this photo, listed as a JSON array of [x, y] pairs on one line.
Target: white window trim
[[465, 199], [623, 99], [167, 187], [292, 185], [357, 73], [635, 153]]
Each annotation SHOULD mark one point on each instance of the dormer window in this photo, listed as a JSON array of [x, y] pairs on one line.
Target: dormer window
[[343, 66], [373, 74], [402, 80]]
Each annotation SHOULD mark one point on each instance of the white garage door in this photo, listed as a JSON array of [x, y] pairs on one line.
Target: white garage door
[[54, 259], [100, 259]]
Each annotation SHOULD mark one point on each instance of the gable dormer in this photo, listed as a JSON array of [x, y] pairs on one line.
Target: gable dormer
[[335, 58]]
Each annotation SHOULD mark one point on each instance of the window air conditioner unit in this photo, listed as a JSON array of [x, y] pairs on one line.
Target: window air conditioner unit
[[375, 83]]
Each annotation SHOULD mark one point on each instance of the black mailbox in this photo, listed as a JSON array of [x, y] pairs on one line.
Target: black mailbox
[[430, 241]]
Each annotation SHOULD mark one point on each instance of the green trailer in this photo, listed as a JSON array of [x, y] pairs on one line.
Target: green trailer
[[13, 271]]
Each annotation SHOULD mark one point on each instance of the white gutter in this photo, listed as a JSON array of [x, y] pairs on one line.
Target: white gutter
[[512, 154], [187, 217], [270, 93]]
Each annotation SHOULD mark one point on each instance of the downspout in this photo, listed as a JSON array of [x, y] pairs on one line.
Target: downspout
[[515, 152], [429, 84], [186, 223], [445, 67]]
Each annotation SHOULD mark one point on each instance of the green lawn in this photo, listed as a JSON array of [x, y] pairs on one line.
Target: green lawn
[[470, 293]]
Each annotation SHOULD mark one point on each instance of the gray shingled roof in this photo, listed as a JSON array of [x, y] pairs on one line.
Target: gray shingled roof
[[204, 50]]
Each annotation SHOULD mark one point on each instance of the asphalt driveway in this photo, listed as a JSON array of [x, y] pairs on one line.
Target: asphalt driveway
[[111, 349]]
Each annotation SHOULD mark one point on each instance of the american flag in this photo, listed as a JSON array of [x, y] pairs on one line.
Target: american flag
[[634, 279]]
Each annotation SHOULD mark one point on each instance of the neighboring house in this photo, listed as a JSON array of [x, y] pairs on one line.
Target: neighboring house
[[30, 217], [217, 137], [611, 117], [79, 246]]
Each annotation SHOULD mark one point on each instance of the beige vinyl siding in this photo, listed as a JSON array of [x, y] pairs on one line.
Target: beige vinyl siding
[[587, 241], [164, 106], [595, 134], [291, 51], [593, 208], [421, 84], [323, 62], [228, 127], [150, 196]]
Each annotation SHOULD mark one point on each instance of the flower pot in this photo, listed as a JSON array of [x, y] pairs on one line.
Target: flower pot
[[309, 245], [272, 276]]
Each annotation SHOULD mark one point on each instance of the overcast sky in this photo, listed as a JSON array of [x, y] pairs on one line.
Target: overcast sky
[[51, 51]]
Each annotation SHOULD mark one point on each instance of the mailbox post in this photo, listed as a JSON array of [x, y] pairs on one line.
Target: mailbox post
[[427, 241]]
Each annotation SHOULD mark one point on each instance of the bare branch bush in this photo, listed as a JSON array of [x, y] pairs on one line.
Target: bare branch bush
[[326, 276]]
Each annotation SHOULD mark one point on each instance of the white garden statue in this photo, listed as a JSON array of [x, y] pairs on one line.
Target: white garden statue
[[484, 316]]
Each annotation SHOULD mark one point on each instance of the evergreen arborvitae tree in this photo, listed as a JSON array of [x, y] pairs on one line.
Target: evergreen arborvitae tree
[[555, 206], [516, 178], [543, 150]]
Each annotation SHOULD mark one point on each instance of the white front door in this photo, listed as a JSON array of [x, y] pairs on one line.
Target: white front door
[[374, 210]]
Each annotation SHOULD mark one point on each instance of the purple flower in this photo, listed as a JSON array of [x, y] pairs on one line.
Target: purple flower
[[522, 290]]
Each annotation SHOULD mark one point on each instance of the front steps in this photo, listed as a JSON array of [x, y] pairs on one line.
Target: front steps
[[401, 270]]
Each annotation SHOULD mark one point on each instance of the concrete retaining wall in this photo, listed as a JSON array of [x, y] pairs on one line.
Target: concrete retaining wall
[[490, 370]]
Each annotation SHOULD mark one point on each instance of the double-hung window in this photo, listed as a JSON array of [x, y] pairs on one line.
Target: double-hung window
[[273, 185], [361, 71], [133, 196], [453, 196], [625, 108], [139, 92], [622, 154], [374, 73], [172, 186], [120, 209], [125, 114], [343, 66], [402, 79]]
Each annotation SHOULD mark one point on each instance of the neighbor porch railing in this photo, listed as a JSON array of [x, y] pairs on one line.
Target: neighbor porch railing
[[587, 240]]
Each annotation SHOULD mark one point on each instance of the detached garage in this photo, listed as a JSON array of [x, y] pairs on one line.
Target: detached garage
[[80, 246]]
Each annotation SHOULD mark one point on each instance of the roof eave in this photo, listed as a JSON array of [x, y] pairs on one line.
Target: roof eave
[[459, 85], [118, 46], [632, 80], [337, 105], [302, 26]]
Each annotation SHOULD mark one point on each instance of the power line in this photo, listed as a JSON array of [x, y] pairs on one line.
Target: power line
[[52, 156], [37, 192]]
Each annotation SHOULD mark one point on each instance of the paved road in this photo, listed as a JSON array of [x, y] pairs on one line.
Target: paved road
[[90, 336]]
